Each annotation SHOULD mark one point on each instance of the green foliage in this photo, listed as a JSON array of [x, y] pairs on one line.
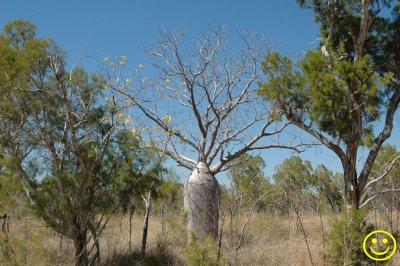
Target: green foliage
[[294, 183], [160, 256], [345, 238], [170, 194], [21, 56], [298, 185], [19, 32], [136, 170], [338, 91], [338, 18], [202, 253], [13, 200], [248, 180], [60, 141], [329, 187], [319, 89]]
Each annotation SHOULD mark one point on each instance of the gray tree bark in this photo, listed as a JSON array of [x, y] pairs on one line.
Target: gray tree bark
[[146, 223], [201, 201]]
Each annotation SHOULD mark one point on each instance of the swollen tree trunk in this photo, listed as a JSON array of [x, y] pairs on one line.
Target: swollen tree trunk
[[201, 195]]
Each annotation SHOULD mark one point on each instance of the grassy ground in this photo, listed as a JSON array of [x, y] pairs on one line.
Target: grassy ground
[[268, 240]]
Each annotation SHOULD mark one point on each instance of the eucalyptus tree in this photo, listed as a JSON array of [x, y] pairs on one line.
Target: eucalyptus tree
[[329, 187], [202, 111], [293, 179], [342, 91], [248, 181]]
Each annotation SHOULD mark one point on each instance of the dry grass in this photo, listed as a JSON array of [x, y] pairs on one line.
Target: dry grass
[[274, 240], [269, 240]]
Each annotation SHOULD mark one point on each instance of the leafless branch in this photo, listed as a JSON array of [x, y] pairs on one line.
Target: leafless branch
[[388, 167], [212, 91], [377, 194], [247, 221]]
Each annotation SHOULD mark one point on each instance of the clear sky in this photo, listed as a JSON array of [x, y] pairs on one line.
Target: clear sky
[[95, 29], [123, 26]]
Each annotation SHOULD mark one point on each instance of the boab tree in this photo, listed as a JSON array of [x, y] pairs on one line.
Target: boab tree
[[339, 91], [202, 111]]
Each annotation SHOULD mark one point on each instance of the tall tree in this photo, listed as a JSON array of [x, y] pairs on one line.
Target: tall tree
[[329, 186], [62, 140], [341, 91], [248, 180], [294, 180], [202, 111]]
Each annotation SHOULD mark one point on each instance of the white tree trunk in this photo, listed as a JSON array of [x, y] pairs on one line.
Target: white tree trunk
[[201, 200]]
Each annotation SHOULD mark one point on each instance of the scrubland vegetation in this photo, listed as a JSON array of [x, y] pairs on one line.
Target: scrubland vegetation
[[268, 241], [85, 158], [259, 225]]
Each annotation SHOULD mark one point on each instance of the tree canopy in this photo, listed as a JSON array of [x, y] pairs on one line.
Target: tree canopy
[[340, 91]]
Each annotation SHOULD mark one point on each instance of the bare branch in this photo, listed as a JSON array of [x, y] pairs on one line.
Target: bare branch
[[247, 221], [389, 168], [365, 202], [218, 86], [324, 140]]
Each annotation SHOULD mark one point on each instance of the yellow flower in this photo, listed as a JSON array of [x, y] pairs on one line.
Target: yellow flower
[[140, 66], [135, 130], [113, 64], [122, 63], [128, 81], [124, 57], [105, 86], [120, 117], [166, 119], [106, 59], [145, 129], [127, 120]]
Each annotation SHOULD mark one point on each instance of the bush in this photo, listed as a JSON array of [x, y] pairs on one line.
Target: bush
[[161, 256], [344, 240], [202, 253]]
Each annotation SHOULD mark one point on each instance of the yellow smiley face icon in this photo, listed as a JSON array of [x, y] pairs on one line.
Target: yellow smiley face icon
[[379, 245]]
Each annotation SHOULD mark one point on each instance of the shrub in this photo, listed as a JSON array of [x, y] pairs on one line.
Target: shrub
[[344, 240], [202, 253], [161, 256]]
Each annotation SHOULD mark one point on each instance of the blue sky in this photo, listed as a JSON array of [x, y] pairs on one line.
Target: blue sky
[[95, 29], [122, 27]]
